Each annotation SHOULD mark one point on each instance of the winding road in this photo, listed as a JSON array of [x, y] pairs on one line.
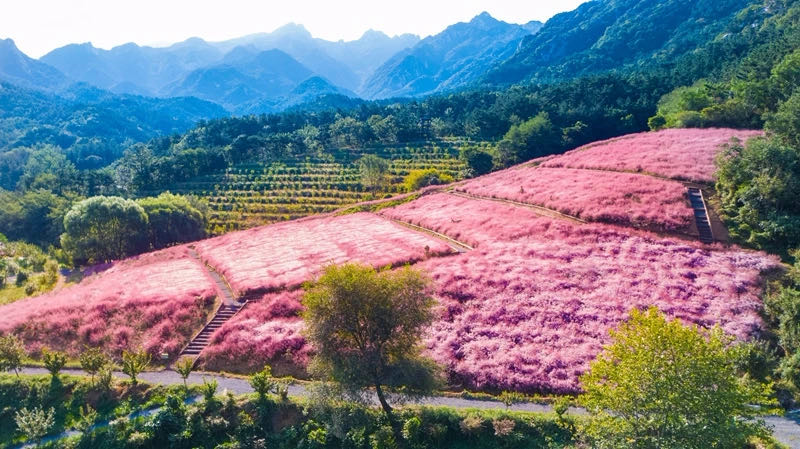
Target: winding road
[[786, 429]]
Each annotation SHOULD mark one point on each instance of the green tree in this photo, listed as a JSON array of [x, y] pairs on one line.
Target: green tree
[[528, 140], [366, 327], [35, 423], [758, 184], [786, 121], [479, 162], [93, 360], [373, 171], [263, 383], [417, 179], [133, 363], [12, 352], [102, 228], [184, 368], [172, 219], [662, 384], [53, 361]]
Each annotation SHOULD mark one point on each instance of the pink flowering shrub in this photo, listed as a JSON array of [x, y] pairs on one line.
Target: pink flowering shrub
[[157, 302], [530, 314], [619, 198], [287, 254], [685, 154], [266, 331], [475, 222]]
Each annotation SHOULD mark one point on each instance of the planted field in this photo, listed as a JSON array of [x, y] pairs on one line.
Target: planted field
[[684, 154], [267, 331], [474, 222], [155, 302], [530, 314], [249, 195], [618, 198], [285, 255]]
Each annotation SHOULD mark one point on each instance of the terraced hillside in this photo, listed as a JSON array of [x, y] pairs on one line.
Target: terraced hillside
[[249, 195], [527, 291]]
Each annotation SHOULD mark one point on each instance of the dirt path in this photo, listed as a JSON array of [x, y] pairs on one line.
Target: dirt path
[[538, 209], [786, 429], [229, 298], [461, 247]]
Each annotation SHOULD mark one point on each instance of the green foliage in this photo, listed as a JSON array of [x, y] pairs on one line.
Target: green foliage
[[366, 327], [662, 384], [509, 398], [35, 216], [758, 185], [418, 179], [12, 352], [172, 219], [184, 367], [35, 423], [532, 138], [53, 361], [209, 390], [373, 171], [478, 162], [134, 362], [102, 229], [93, 360], [785, 122], [263, 383]]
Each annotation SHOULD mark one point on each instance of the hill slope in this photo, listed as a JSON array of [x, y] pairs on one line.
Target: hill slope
[[453, 58], [19, 69], [607, 34]]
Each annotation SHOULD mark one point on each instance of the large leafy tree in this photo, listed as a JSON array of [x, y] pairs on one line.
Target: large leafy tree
[[104, 228], [366, 327], [173, 219], [373, 171], [759, 183], [663, 384]]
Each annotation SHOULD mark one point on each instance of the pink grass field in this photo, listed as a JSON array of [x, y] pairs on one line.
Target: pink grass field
[[530, 314], [156, 302], [266, 331], [626, 199], [478, 223], [685, 154], [287, 254]]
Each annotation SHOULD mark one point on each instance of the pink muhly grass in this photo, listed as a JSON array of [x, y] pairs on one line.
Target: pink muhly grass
[[266, 331], [685, 154], [475, 222], [287, 254], [530, 314], [618, 198], [156, 301]]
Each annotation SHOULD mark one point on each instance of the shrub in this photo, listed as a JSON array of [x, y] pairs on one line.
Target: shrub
[[184, 367], [263, 383], [418, 179], [12, 352], [54, 361], [471, 425], [134, 362], [35, 423], [93, 360]]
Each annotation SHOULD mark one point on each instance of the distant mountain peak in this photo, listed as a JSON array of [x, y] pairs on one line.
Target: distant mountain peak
[[484, 17], [371, 34], [292, 28]]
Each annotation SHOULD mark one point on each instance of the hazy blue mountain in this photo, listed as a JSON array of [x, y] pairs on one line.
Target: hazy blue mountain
[[17, 68], [456, 57], [607, 34], [85, 116], [130, 68], [306, 92], [244, 77], [365, 55]]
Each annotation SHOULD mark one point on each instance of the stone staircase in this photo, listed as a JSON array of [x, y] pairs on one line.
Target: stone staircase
[[202, 339], [701, 215]]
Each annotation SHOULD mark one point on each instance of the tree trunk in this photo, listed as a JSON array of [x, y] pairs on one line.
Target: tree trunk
[[387, 409]]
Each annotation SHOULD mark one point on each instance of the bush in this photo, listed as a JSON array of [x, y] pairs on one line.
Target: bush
[[54, 361], [133, 363], [12, 352], [418, 179], [35, 423]]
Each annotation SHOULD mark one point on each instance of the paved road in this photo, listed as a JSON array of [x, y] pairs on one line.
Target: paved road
[[785, 428]]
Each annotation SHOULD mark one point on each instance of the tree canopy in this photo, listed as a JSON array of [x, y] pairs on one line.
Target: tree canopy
[[366, 327], [663, 384]]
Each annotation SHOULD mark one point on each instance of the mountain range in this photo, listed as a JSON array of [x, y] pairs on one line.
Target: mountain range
[[268, 72]]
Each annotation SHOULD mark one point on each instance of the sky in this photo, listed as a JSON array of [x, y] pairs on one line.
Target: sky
[[38, 26]]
